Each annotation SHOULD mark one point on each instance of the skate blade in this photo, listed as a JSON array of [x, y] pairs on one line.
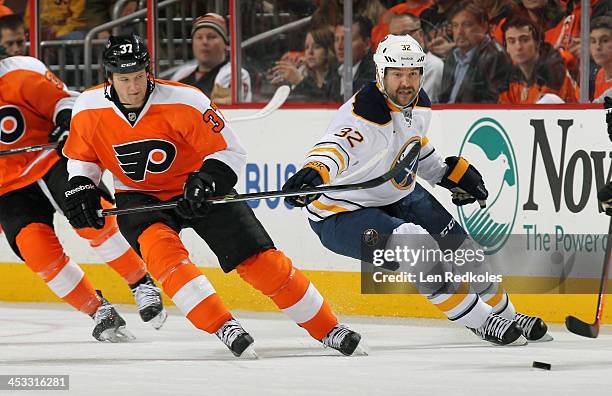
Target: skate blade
[[249, 353], [120, 334], [361, 350], [546, 338], [158, 321], [518, 342]]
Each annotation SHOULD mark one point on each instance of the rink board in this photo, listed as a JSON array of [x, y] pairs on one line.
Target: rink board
[[555, 160]]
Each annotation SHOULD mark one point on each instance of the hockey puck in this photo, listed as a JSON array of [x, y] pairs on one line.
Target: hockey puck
[[541, 365]]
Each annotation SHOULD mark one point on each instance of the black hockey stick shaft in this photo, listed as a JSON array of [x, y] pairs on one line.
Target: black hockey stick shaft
[[405, 165], [591, 330], [29, 149]]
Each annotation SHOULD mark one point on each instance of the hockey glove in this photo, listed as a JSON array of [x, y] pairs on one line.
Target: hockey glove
[[198, 188], [465, 182], [214, 178], [83, 203], [608, 108], [311, 175], [59, 133], [604, 195]]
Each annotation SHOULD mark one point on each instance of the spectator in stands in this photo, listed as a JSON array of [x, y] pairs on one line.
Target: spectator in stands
[[600, 47], [318, 79], [364, 69], [538, 68], [4, 10], [435, 22], [560, 30], [329, 12], [497, 9], [12, 35], [99, 12], [476, 70], [61, 20], [432, 80], [373, 10], [211, 72], [413, 7]]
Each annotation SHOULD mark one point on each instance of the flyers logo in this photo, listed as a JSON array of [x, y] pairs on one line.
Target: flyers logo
[[136, 159], [12, 124]]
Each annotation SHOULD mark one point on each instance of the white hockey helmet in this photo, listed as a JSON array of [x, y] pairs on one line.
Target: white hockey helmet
[[397, 51]]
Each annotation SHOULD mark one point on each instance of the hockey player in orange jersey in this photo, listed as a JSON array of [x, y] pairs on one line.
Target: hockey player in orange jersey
[[162, 141], [35, 108]]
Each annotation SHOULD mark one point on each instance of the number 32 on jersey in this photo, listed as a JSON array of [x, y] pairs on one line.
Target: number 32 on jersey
[[353, 136]]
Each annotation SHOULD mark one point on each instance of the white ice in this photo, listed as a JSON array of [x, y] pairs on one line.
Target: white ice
[[407, 357]]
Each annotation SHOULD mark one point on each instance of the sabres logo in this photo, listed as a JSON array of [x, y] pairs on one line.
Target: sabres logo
[[405, 180]]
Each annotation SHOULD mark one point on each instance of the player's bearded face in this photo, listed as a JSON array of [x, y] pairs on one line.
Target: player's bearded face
[[131, 87], [402, 84]]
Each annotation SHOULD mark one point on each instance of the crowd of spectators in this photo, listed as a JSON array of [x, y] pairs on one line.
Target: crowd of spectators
[[478, 51]]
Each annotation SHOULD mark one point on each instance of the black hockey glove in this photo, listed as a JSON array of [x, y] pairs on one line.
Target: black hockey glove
[[83, 203], [608, 108], [198, 188], [214, 178], [59, 133], [311, 175], [604, 195], [465, 182]]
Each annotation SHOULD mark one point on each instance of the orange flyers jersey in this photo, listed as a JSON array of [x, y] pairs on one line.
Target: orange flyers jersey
[[30, 98], [602, 85], [177, 129], [519, 92]]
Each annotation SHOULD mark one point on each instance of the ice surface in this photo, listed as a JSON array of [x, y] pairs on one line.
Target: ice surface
[[407, 357]]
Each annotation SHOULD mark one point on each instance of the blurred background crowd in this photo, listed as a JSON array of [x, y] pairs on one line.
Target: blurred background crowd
[[478, 51]]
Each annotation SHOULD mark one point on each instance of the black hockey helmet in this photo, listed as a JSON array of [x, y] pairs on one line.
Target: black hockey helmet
[[125, 54]]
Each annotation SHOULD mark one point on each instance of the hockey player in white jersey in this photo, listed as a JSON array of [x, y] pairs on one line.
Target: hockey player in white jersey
[[367, 137]]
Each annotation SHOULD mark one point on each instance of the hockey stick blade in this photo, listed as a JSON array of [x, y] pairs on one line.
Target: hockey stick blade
[[581, 328], [591, 330], [29, 149], [278, 99], [405, 165]]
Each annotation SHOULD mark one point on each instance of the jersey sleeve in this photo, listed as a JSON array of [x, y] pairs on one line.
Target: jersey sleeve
[[82, 158], [216, 140], [43, 92], [345, 146], [431, 165]]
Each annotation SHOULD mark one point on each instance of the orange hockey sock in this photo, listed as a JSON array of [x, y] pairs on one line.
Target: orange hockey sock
[[272, 273], [168, 261], [43, 253]]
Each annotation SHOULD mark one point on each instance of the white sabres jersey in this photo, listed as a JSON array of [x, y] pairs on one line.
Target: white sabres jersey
[[366, 139]]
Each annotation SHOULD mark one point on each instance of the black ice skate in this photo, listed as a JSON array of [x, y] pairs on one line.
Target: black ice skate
[[500, 331], [344, 340], [149, 300], [534, 328], [237, 339], [110, 327]]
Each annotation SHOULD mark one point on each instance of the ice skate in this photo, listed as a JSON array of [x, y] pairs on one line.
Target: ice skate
[[237, 339], [110, 327], [500, 331], [344, 340], [534, 328], [149, 300]]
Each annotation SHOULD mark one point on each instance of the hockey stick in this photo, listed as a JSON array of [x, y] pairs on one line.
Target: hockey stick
[[29, 149], [280, 96], [591, 330], [407, 164]]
